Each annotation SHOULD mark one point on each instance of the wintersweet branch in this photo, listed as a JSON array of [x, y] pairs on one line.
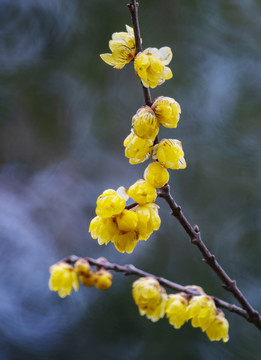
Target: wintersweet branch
[[133, 7], [210, 259], [132, 270], [230, 285]]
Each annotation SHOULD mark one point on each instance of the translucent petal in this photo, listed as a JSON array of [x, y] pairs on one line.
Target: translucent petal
[[129, 29], [165, 55], [123, 192]]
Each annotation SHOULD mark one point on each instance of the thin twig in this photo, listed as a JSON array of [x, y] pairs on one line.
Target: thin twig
[[132, 270], [133, 7], [209, 258], [193, 232]]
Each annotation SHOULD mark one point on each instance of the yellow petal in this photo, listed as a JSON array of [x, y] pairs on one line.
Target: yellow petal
[[108, 59], [167, 73]]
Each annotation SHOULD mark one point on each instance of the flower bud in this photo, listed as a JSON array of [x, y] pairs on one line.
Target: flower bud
[[82, 267], [137, 149], [145, 124], [103, 279], [89, 279], [142, 192], [167, 111], [156, 174], [170, 154], [110, 203]]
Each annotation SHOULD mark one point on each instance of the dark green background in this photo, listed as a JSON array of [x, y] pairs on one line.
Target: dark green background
[[63, 117]]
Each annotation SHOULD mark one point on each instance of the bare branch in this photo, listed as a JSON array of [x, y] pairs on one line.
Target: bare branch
[[210, 259], [132, 270]]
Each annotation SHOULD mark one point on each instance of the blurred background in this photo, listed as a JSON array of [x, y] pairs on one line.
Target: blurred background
[[63, 117]]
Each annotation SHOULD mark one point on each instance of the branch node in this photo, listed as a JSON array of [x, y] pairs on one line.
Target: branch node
[[194, 240], [196, 228]]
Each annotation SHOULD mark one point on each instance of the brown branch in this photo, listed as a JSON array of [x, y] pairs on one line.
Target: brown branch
[[193, 232], [210, 259], [133, 7], [132, 270]]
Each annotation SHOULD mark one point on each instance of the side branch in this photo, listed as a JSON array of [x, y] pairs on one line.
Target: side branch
[[132, 270], [210, 259]]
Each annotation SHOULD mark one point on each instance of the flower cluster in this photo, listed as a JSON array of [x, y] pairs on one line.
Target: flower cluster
[[121, 226], [125, 225], [150, 64], [115, 222], [153, 302], [139, 144], [64, 277]]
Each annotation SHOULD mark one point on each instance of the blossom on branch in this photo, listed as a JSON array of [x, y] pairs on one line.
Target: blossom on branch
[[176, 309], [170, 154], [110, 203], [148, 219], [103, 279], [137, 150], [122, 47], [156, 174], [218, 329], [142, 192], [150, 66], [150, 298], [63, 279], [167, 111], [201, 311], [145, 124]]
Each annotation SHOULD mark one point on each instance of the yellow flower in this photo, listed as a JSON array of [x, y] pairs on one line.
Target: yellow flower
[[137, 149], [127, 220], [103, 229], [156, 174], [145, 124], [89, 279], [176, 310], [103, 279], [82, 267], [122, 47], [150, 66], [201, 311], [167, 111], [150, 297], [126, 241], [218, 329], [63, 279], [170, 154], [110, 203], [142, 192], [148, 220]]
